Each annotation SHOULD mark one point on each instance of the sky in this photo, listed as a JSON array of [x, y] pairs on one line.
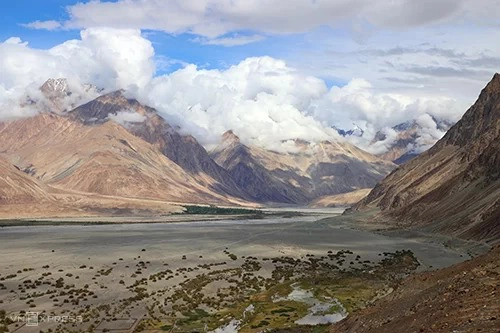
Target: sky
[[270, 70]]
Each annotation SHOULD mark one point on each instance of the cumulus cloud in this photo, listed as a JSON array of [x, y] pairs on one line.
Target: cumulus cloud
[[126, 117], [263, 100], [106, 57], [359, 102]]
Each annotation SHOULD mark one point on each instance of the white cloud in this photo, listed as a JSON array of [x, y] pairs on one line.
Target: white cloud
[[127, 116], [106, 57], [235, 40], [263, 100], [214, 18], [359, 102], [45, 25]]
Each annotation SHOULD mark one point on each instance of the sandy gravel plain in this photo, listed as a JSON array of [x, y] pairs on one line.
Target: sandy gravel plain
[[144, 276]]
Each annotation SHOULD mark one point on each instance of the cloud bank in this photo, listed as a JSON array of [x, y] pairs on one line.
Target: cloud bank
[[215, 18], [108, 58], [262, 99]]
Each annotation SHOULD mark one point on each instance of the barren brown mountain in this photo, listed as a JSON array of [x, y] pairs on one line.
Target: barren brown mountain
[[18, 187], [454, 187], [340, 200], [313, 170], [103, 159], [184, 150]]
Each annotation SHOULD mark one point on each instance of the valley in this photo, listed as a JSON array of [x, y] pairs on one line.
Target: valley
[[222, 276], [249, 166]]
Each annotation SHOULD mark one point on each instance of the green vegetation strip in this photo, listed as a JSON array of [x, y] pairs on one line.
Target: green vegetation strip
[[212, 210]]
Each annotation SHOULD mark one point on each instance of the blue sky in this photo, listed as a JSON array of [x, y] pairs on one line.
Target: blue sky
[[15, 13], [181, 47]]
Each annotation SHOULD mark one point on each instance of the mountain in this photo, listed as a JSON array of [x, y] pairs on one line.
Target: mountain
[[102, 159], [411, 139], [115, 149], [61, 95], [248, 169], [311, 171], [145, 123], [401, 142], [18, 187], [355, 131], [454, 187], [340, 200]]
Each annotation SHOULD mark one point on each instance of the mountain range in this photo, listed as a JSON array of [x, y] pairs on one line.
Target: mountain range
[[312, 171], [410, 138], [115, 147]]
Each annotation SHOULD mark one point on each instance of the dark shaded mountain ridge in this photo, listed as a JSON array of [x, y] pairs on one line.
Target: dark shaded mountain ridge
[[454, 187]]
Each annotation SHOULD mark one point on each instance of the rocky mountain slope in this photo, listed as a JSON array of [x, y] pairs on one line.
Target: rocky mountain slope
[[460, 298], [18, 187], [103, 159], [312, 170], [340, 200], [145, 123], [454, 187]]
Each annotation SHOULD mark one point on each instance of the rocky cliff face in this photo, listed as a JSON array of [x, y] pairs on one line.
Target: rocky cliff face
[[454, 187], [313, 170]]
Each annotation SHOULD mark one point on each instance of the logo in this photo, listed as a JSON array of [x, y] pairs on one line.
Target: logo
[[31, 318]]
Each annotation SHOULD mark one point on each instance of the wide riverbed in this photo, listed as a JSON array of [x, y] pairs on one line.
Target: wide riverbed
[[69, 245], [131, 272]]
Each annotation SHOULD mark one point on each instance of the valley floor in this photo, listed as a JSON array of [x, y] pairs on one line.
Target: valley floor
[[187, 276]]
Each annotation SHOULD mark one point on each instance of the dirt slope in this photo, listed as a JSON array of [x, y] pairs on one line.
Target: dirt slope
[[461, 298], [344, 199], [104, 159], [18, 187]]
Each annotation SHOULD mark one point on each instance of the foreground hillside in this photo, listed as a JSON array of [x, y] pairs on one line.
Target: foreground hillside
[[454, 187], [460, 298]]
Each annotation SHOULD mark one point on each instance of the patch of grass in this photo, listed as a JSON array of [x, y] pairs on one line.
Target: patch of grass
[[213, 210]]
